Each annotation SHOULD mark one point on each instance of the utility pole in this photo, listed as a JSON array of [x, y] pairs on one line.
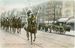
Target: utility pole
[[54, 15], [54, 12]]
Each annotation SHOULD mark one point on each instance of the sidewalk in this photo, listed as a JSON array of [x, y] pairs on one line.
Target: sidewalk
[[71, 32]]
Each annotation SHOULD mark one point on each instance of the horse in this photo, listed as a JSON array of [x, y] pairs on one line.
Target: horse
[[31, 28], [18, 25]]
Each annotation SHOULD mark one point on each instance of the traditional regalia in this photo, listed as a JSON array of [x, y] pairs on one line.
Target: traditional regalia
[[32, 25]]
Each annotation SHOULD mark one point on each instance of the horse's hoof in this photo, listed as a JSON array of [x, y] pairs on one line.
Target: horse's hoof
[[17, 32], [31, 44], [27, 39], [33, 40]]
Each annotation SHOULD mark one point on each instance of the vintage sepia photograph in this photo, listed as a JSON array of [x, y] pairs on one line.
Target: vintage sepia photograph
[[37, 23]]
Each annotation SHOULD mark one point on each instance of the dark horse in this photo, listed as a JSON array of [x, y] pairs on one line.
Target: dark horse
[[31, 28]]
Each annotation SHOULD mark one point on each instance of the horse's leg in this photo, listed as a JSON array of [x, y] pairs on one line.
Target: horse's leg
[[34, 36], [20, 30], [10, 28], [6, 28], [31, 38], [14, 30], [17, 30], [28, 35]]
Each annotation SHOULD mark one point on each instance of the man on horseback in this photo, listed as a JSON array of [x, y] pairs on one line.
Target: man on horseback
[[32, 26]]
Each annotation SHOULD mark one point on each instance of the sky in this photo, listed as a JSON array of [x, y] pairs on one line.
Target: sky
[[9, 4], [6, 5], [19, 3]]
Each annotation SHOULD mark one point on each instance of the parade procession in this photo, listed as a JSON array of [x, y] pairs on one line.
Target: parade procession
[[37, 24], [9, 24], [15, 24]]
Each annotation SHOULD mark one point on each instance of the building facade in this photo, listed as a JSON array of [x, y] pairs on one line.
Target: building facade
[[48, 11], [68, 8]]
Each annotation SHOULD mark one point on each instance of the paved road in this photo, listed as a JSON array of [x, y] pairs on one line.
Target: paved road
[[44, 40]]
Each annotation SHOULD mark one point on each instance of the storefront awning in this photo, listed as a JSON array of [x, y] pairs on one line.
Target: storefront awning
[[62, 19], [71, 21]]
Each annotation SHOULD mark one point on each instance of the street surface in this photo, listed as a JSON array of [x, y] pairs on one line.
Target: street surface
[[43, 40]]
